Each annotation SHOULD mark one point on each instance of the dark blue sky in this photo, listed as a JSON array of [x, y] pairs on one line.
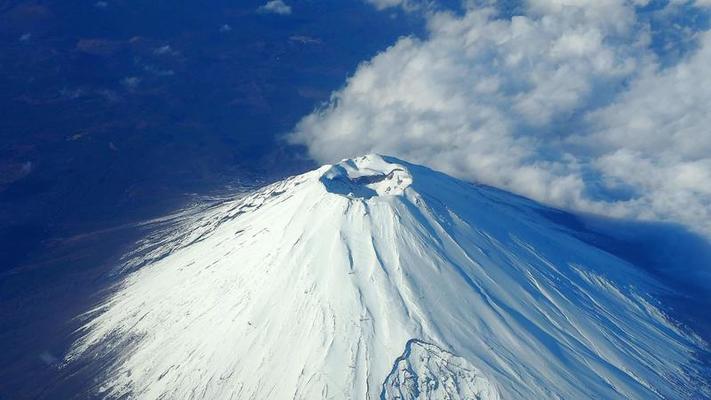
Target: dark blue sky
[[114, 111]]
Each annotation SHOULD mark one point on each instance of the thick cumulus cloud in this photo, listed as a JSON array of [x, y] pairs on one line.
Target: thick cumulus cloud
[[567, 104]]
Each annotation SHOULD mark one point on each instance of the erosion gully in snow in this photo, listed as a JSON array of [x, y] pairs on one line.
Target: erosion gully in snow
[[378, 279]]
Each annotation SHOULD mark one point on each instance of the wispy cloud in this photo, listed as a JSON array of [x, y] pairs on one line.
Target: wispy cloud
[[165, 50], [131, 82], [304, 39], [567, 104]]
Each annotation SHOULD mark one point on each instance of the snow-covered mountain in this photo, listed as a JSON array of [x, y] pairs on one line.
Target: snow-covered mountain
[[377, 279]]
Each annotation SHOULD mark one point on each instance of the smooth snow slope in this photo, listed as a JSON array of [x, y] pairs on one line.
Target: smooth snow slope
[[316, 286]]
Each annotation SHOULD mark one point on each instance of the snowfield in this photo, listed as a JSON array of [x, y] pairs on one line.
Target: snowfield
[[378, 279]]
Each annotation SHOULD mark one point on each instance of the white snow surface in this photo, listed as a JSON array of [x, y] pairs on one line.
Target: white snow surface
[[313, 287], [426, 372]]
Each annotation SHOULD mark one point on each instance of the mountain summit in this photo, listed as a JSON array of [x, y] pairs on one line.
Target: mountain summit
[[378, 279]]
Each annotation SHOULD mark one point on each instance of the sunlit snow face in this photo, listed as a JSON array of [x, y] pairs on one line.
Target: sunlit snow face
[[302, 291]]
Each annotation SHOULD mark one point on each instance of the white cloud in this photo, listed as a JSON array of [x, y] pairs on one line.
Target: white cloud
[[567, 104], [656, 137], [275, 7], [165, 50]]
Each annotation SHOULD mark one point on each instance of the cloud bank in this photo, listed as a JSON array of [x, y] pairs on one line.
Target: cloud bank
[[569, 104]]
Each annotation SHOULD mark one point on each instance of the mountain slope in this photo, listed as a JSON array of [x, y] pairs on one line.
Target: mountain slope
[[375, 278]]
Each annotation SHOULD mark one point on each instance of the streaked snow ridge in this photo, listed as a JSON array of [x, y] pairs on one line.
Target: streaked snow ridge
[[378, 279]]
